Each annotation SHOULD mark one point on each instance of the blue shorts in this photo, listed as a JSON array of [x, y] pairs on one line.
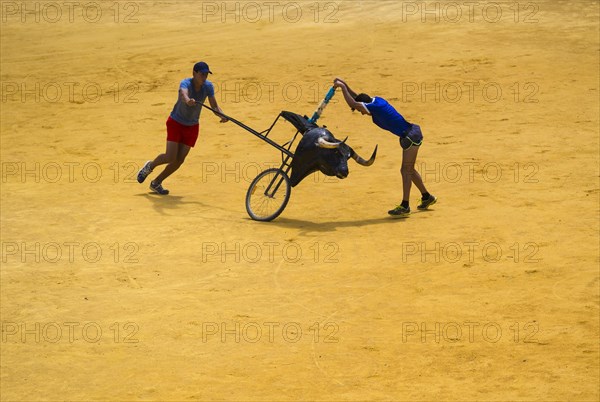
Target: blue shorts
[[414, 137]]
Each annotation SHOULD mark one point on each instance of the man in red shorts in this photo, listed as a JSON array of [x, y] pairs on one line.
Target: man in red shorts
[[183, 126]]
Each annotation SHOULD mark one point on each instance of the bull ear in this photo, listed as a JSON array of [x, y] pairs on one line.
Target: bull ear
[[322, 143]]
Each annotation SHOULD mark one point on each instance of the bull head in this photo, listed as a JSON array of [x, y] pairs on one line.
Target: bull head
[[322, 143], [320, 151]]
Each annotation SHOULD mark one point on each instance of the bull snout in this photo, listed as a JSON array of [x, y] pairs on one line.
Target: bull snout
[[342, 172]]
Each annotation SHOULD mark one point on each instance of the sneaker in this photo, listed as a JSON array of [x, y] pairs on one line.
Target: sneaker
[[158, 188], [399, 211], [427, 202], [144, 172]]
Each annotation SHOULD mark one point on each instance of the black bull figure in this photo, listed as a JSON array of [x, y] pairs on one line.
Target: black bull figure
[[319, 150]]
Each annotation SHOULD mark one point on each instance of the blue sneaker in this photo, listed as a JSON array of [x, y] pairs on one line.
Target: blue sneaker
[[158, 188], [144, 172]]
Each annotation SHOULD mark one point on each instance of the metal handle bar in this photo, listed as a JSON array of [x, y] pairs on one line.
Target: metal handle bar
[[251, 130]]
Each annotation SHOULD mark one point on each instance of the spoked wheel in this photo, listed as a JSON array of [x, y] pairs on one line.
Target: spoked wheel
[[268, 195]]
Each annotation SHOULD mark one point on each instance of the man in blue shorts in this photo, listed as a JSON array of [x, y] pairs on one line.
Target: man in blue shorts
[[386, 117], [183, 125]]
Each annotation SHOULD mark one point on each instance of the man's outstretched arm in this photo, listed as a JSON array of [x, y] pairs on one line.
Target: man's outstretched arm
[[348, 96]]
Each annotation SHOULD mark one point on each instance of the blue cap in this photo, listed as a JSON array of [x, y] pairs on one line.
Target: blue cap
[[202, 67]]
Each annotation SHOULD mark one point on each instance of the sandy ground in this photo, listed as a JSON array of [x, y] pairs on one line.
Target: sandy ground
[[109, 292]]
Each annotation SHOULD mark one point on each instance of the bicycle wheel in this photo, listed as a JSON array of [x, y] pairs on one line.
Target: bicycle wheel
[[268, 195]]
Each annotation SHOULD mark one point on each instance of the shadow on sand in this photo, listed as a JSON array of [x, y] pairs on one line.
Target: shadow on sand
[[305, 227], [164, 203]]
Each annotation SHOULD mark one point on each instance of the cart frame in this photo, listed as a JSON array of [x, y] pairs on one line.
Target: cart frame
[[271, 199]]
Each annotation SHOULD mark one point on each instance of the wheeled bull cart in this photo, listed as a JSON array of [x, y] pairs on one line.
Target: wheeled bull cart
[[270, 191]]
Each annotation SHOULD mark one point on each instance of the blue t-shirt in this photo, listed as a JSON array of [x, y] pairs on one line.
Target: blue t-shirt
[[386, 117], [189, 115]]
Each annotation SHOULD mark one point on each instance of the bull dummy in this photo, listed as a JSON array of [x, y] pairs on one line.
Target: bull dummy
[[319, 150]]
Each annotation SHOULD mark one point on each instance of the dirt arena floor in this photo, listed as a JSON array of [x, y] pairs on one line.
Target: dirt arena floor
[[109, 292]]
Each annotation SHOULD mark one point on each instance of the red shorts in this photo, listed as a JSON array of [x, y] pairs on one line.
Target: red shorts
[[177, 132]]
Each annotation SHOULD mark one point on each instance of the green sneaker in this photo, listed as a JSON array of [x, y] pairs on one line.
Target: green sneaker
[[399, 211], [425, 203]]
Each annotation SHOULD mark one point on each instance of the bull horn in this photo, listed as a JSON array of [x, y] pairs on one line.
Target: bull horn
[[360, 160], [322, 143]]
